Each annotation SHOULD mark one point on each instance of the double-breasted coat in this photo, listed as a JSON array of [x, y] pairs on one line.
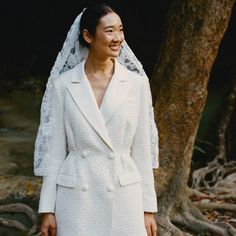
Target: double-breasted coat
[[99, 178]]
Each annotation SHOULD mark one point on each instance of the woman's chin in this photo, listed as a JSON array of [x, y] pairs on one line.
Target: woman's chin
[[115, 53]]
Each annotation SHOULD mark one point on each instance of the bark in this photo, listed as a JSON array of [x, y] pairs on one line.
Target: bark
[[193, 32]]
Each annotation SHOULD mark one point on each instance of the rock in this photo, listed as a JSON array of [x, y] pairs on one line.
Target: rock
[[15, 188]]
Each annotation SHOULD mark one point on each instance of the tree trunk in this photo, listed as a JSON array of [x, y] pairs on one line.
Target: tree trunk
[[193, 32]]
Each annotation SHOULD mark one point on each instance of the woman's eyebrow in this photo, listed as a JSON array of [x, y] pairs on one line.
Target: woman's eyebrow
[[111, 26]]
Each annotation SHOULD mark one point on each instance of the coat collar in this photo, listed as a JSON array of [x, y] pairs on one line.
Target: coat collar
[[82, 93]]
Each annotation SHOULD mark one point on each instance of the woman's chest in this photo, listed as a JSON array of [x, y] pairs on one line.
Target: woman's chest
[[121, 114], [99, 88]]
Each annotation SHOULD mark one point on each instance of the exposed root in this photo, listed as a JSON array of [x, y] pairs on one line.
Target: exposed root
[[210, 201], [209, 206], [19, 208], [166, 228], [201, 224], [12, 224], [225, 189], [196, 195], [208, 176]]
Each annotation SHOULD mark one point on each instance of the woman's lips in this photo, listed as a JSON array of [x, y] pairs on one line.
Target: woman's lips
[[115, 47]]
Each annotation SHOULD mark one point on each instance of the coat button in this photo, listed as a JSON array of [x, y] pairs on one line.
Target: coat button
[[111, 155], [84, 154], [110, 188], [85, 187]]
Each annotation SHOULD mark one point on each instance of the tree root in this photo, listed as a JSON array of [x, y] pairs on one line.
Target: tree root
[[224, 189], [12, 224], [19, 208], [214, 172], [167, 228], [211, 200], [196, 222], [209, 206], [193, 218]]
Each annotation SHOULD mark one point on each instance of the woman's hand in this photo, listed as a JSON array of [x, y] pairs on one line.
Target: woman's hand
[[150, 224], [48, 224]]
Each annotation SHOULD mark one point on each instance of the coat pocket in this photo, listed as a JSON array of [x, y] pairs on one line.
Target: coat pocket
[[66, 180], [130, 178], [128, 172]]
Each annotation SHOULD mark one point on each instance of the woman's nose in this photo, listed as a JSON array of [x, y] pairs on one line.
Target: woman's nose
[[118, 36]]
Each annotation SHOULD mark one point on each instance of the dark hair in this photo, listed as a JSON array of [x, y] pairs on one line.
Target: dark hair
[[90, 19]]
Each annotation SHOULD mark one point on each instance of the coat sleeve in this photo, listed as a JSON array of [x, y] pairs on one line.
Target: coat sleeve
[[55, 154], [144, 149]]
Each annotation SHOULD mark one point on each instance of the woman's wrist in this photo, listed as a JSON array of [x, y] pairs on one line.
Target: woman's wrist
[[45, 213]]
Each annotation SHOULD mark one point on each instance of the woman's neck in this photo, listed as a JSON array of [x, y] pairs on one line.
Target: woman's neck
[[98, 67]]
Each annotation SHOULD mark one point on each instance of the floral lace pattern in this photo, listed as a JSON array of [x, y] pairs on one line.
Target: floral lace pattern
[[72, 54]]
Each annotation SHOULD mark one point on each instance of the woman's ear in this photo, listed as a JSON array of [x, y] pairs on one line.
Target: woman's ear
[[87, 37]]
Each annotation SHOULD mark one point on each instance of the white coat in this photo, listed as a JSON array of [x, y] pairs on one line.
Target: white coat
[[100, 179]]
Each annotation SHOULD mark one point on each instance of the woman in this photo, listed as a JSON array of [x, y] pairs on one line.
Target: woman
[[98, 159]]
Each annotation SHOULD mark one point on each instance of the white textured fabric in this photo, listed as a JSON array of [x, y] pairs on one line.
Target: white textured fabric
[[99, 178], [72, 54]]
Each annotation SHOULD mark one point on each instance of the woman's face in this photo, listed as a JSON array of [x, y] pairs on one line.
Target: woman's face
[[108, 37]]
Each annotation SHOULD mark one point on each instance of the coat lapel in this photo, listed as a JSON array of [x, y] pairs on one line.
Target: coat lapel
[[83, 95], [118, 89]]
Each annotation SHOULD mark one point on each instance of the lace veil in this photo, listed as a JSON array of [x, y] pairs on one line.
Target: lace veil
[[71, 54]]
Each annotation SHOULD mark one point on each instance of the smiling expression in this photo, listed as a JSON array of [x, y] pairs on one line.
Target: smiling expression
[[108, 37]]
